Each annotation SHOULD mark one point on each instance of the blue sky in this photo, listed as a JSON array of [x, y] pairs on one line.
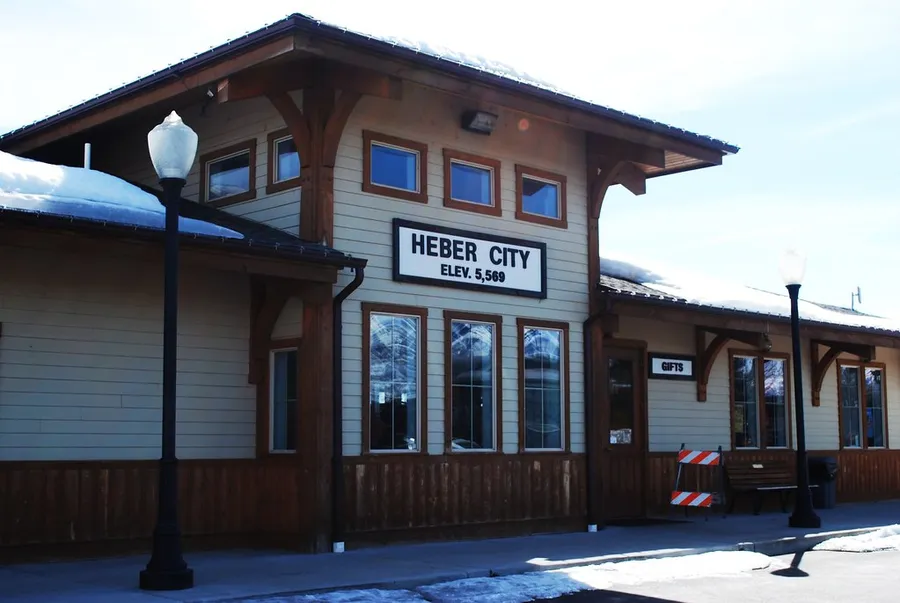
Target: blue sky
[[809, 90]]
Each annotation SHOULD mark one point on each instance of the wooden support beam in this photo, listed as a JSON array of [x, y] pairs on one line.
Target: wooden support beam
[[820, 366], [706, 357], [612, 148], [268, 298], [284, 77], [633, 178]]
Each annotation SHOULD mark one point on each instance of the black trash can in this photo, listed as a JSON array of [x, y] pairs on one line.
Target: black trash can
[[823, 473]]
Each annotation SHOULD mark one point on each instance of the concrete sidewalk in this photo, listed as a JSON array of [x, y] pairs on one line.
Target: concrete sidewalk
[[236, 575]]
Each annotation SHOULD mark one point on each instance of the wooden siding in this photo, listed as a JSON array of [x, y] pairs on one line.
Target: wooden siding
[[406, 493], [218, 126], [363, 227], [51, 503], [81, 359]]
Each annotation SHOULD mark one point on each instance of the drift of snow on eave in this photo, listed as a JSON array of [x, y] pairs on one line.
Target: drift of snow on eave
[[44, 188], [704, 291]]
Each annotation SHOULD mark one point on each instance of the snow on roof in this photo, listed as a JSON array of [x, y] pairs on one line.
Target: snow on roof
[[678, 286], [31, 186]]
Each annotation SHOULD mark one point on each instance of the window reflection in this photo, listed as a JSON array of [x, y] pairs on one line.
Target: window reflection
[[393, 382], [543, 387], [472, 385]]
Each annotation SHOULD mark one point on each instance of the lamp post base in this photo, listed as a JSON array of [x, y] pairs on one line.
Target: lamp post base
[[179, 579], [805, 520]]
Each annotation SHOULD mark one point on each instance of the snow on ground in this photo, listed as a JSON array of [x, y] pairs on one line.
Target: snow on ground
[[37, 187], [884, 539], [522, 588]]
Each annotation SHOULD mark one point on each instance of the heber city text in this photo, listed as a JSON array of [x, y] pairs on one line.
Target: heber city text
[[465, 251]]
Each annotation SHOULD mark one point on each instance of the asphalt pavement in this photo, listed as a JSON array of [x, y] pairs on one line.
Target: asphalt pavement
[[813, 577]]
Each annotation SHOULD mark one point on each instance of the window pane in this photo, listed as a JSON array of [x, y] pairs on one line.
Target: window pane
[[621, 401], [472, 385], [471, 183], [776, 402], [746, 396], [229, 176], [543, 387], [287, 165], [540, 197], [284, 400], [393, 382], [851, 418], [394, 167], [874, 408]]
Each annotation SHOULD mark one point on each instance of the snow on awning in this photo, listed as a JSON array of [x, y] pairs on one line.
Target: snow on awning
[[680, 287], [43, 188]]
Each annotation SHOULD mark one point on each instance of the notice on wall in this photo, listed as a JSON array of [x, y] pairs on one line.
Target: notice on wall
[[447, 257], [671, 366]]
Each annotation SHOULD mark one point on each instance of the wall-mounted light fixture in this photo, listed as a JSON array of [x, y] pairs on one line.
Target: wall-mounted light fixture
[[480, 122]]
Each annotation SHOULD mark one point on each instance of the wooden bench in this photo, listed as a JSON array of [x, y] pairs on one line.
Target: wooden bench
[[758, 478]]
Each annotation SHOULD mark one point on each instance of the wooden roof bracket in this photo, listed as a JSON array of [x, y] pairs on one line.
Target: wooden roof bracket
[[820, 366], [707, 353]]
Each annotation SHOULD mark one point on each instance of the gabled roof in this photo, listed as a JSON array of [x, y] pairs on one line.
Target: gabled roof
[[629, 281], [470, 67]]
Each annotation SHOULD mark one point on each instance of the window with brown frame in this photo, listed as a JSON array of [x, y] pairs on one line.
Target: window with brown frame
[[759, 399], [395, 167], [540, 197], [471, 183], [862, 405], [395, 380], [473, 387], [228, 175], [543, 385], [283, 391], [284, 162]]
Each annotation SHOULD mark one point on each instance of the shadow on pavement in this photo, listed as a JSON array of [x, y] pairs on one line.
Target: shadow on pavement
[[794, 570]]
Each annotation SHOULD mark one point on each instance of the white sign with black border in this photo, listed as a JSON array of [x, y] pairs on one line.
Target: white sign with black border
[[448, 257], [671, 366]]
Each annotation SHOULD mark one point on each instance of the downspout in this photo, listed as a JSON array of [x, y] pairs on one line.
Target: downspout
[[337, 402], [589, 419]]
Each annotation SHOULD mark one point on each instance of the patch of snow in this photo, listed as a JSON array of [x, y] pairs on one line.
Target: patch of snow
[[369, 595], [718, 293], [37, 187], [884, 539], [505, 589]]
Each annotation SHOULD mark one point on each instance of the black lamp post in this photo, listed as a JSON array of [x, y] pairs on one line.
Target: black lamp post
[[173, 147], [793, 267]]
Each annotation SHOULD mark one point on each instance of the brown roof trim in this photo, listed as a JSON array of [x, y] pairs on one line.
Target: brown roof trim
[[180, 72]]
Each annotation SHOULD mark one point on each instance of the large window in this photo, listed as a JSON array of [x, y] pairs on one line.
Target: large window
[[394, 378], [543, 385], [395, 167], [471, 183], [862, 405], [759, 412], [284, 162], [472, 381], [540, 197], [283, 400], [229, 175]]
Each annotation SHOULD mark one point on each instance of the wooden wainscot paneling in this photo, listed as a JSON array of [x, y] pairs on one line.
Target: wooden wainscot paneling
[[866, 475], [56, 503], [411, 497]]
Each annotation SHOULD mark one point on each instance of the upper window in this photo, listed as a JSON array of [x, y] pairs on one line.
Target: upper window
[[229, 175], [862, 405], [284, 162], [759, 414], [471, 183], [394, 378], [540, 197], [283, 400], [395, 167], [472, 381], [543, 384]]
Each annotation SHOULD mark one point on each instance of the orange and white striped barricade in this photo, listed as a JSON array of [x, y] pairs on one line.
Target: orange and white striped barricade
[[699, 458]]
